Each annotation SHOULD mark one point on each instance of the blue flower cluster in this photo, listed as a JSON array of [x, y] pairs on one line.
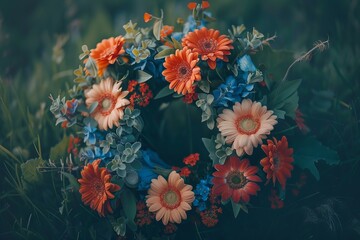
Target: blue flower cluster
[[149, 161], [202, 191], [235, 88]]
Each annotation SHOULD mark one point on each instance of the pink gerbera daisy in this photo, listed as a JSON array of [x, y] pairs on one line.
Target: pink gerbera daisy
[[170, 199], [111, 102], [246, 125]]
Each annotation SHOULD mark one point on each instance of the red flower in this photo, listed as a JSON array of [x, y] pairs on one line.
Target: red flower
[[192, 159], [107, 51], [278, 161], [141, 93], [275, 200], [143, 216], [209, 217], [185, 172], [72, 146], [235, 179], [209, 44], [147, 17], [190, 97], [300, 122], [170, 228], [166, 31], [96, 188]]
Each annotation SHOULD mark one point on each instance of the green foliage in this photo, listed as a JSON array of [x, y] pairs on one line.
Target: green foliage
[[308, 150], [283, 98], [119, 226], [237, 207], [59, 151], [72, 180], [30, 171], [164, 53], [217, 148], [128, 201], [166, 91], [142, 76]]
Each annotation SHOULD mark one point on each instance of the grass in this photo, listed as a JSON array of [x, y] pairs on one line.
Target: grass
[[27, 128]]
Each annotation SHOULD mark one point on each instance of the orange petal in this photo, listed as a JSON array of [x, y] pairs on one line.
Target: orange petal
[[205, 4], [192, 5], [147, 17]]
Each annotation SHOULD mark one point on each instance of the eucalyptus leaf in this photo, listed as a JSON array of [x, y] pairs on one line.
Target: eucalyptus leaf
[[204, 86], [142, 76], [164, 53], [177, 44], [157, 28]]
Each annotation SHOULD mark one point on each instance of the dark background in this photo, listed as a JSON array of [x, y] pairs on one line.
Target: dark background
[[329, 99]]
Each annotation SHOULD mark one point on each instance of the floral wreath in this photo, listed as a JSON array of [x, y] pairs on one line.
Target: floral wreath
[[121, 178]]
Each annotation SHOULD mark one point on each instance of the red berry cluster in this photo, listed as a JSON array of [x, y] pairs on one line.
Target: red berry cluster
[[143, 216]]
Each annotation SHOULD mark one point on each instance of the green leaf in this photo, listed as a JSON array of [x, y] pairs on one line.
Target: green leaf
[[119, 226], [284, 98], [59, 151], [157, 28], [210, 146], [164, 53], [176, 43], [142, 76], [308, 150], [90, 65], [30, 171], [204, 86], [275, 62], [128, 202], [237, 207], [166, 91], [72, 180]]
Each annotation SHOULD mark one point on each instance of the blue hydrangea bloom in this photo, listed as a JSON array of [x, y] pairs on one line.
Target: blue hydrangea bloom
[[231, 91], [90, 135], [202, 191], [90, 154], [149, 161], [245, 66]]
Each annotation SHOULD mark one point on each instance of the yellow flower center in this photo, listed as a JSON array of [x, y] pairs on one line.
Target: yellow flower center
[[236, 180], [106, 104], [248, 125], [171, 198]]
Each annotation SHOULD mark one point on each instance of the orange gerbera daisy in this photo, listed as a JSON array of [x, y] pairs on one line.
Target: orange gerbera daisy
[[278, 161], [170, 199], [181, 70], [111, 102], [236, 180], [246, 125], [107, 52], [209, 44], [96, 188]]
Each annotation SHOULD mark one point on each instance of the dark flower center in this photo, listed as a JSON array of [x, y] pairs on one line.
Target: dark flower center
[[236, 180]]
